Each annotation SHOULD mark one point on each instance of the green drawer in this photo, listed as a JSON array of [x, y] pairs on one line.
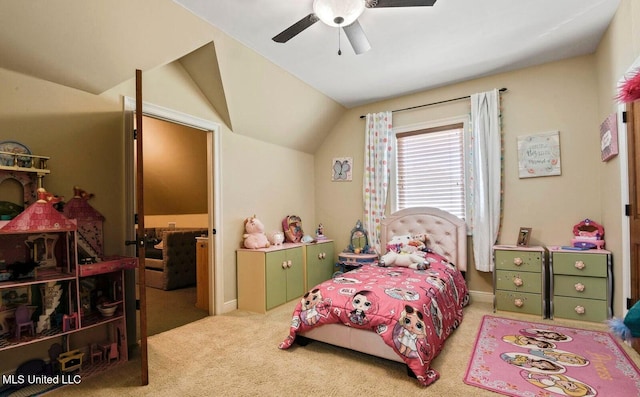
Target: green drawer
[[595, 265], [531, 260], [594, 310], [594, 287], [531, 282], [531, 303]]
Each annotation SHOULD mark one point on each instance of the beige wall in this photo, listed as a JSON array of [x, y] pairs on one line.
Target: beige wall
[[559, 96]]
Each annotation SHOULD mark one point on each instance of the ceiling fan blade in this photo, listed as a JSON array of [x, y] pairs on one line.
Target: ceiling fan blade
[[357, 38], [399, 3], [296, 28]]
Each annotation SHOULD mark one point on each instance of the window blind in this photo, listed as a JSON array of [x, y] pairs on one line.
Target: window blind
[[430, 169]]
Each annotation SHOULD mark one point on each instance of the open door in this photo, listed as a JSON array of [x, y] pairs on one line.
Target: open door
[[142, 292], [633, 144], [633, 209]]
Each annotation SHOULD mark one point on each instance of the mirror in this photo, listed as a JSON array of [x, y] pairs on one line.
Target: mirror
[[359, 240]]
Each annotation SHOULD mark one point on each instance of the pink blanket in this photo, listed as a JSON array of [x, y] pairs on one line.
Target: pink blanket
[[413, 311]]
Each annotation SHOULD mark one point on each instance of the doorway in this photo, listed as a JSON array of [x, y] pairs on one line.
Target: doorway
[[175, 213], [212, 130]]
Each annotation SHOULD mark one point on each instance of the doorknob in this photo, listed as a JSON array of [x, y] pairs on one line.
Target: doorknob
[[139, 242]]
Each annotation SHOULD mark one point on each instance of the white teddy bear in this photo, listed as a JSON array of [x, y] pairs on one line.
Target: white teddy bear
[[401, 253]]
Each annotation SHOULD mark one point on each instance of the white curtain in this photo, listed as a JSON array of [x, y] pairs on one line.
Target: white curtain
[[486, 173], [377, 152]]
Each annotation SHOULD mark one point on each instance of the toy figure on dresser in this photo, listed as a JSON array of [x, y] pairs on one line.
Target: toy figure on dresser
[[254, 236], [320, 232], [588, 235]]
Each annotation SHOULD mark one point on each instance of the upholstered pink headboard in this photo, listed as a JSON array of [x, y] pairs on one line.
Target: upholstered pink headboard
[[446, 232]]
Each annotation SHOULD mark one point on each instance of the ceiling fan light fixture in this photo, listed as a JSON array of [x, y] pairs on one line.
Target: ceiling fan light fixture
[[338, 12]]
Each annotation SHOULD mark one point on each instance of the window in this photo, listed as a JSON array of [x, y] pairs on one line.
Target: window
[[430, 167]]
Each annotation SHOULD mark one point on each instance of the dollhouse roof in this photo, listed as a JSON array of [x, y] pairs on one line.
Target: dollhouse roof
[[39, 217], [79, 208]]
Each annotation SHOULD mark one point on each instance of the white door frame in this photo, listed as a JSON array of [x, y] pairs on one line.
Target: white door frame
[[623, 156], [214, 198]]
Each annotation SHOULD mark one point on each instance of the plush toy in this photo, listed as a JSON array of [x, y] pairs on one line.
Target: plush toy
[[254, 236], [404, 259], [629, 328], [419, 241], [402, 252]]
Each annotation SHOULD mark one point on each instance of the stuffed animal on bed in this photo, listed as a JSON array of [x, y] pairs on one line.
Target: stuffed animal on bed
[[254, 236], [402, 252]]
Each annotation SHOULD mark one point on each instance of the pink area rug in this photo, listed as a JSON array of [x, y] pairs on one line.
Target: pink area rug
[[519, 358]]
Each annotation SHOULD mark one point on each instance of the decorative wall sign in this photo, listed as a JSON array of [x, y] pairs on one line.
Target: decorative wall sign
[[342, 167], [539, 155], [609, 137]]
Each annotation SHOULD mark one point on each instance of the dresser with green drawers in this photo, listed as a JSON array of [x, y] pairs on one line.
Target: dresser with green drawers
[[581, 284], [519, 279]]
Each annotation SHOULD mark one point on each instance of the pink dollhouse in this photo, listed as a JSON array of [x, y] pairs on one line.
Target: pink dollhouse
[[90, 224]]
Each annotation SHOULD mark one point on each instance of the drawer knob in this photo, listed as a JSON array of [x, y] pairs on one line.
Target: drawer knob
[[284, 264], [518, 302], [320, 256], [517, 261], [579, 287], [518, 282], [289, 263], [580, 265], [579, 309]]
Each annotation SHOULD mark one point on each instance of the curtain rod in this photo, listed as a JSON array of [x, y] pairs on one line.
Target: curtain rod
[[434, 103]]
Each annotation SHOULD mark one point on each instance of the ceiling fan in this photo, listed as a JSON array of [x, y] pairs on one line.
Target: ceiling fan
[[344, 14]]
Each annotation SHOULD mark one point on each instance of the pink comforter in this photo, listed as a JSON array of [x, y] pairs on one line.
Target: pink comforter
[[413, 311]]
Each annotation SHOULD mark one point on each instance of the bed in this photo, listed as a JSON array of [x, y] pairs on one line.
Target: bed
[[397, 313]]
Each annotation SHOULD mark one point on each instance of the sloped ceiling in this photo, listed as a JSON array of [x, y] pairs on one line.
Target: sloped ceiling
[[96, 45], [202, 66], [91, 45]]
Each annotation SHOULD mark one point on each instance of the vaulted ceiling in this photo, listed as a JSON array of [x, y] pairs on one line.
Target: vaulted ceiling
[[289, 94]]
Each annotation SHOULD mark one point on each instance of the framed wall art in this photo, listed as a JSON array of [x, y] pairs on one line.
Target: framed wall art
[[523, 236], [539, 155], [341, 171], [609, 137]]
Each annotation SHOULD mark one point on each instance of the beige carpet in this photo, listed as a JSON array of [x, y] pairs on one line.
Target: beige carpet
[[237, 355], [170, 309]]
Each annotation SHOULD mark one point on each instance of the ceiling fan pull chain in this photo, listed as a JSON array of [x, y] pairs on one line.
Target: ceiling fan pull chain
[[339, 50]]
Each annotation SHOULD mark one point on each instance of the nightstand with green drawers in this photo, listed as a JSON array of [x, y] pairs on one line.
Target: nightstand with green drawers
[[519, 279], [581, 284]]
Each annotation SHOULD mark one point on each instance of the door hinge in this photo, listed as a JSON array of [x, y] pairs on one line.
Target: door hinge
[[135, 134], [137, 304], [627, 209], [135, 219], [624, 117], [213, 231]]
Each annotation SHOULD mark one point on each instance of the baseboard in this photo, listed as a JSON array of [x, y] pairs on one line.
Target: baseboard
[[229, 306], [481, 296]]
